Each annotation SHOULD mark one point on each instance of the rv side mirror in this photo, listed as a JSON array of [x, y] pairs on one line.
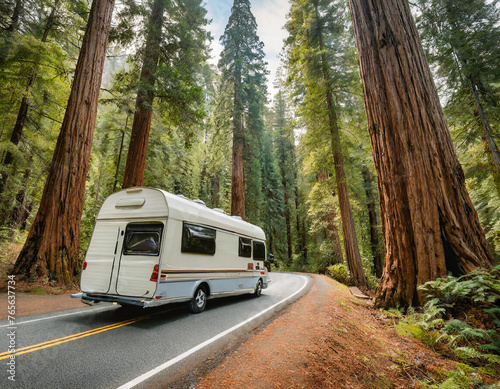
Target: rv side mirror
[[271, 257]]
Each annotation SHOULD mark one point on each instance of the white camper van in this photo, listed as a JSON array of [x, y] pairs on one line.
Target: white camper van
[[150, 247]]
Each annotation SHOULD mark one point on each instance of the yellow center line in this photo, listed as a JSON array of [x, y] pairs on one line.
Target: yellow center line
[[70, 338]]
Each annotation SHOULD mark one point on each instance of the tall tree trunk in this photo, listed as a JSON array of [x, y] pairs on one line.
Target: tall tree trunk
[[237, 169], [372, 216], [23, 109], [487, 133], [136, 157], [331, 227], [52, 246], [120, 151], [430, 225], [216, 190], [351, 248], [287, 224], [301, 228]]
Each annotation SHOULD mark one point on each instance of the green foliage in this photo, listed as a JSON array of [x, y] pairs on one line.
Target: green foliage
[[35, 65], [340, 272], [306, 56], [478, 287], [463, 311], [461, 40], [463, 377], [239, 108]]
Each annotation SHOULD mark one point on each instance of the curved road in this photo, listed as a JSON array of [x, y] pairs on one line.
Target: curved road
[[110, 347]]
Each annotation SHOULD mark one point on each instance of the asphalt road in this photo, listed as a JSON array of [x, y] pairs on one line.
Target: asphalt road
[[106, 346]]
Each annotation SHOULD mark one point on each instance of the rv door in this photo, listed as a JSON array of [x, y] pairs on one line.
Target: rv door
[[100, 260], [140, 253]]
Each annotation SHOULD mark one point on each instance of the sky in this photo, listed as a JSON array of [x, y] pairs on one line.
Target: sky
[[270, 16]]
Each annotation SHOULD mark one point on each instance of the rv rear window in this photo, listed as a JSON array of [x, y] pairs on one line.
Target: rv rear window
[[197, 239], [142, 239], [259, 251], [245, 248]]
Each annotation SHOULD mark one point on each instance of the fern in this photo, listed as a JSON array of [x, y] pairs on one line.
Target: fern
[[474, 298], [467, 353], [495, 314]]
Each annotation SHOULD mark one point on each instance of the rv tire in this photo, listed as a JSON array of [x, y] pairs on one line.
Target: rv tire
[[258, 289], [199, 300]]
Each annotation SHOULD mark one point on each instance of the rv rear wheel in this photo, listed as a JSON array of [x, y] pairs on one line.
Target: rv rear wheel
[[258, 289], [199, 301]]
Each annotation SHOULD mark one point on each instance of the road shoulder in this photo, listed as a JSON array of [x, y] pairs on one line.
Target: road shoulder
[[327, 339]]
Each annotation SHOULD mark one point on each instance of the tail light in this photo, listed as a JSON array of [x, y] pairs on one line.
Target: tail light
[[84, 265], [154, 275]]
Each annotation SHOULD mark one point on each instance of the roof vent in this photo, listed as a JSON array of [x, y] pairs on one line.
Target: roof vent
[[201, 202], [182, 197], [123, 203], [220, 210], [238, 217]]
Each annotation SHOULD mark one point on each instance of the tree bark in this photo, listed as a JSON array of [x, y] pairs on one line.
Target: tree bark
[[52, 246], [237, 167], [351, 248], [216, 190], [117, 171], [136, 157], [430, 225], [372, 216]]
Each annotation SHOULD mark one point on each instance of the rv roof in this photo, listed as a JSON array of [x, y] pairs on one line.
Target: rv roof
[[149, 203]]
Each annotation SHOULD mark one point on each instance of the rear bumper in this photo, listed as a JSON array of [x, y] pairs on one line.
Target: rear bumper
[[94, 298]]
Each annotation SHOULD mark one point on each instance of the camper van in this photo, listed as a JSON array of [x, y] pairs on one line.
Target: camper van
[[150, 247]]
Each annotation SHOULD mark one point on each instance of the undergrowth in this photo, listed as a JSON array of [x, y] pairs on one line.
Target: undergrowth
[[461, 320]]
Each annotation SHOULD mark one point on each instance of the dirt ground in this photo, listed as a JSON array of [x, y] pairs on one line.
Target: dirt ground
[[327, 339], [35, 304]]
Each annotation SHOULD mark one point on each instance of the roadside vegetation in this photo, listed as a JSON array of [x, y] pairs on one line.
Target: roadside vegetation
[[460, 321]]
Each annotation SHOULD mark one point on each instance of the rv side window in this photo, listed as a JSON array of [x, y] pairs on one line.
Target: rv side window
[[259, 251], [197, 239], [142, 239], [245, 248]]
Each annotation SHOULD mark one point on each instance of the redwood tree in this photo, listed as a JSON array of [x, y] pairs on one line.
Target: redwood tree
[[136, 158], [243, 75], [170, 62], [52, 246], [430, 225], [314, 56]]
